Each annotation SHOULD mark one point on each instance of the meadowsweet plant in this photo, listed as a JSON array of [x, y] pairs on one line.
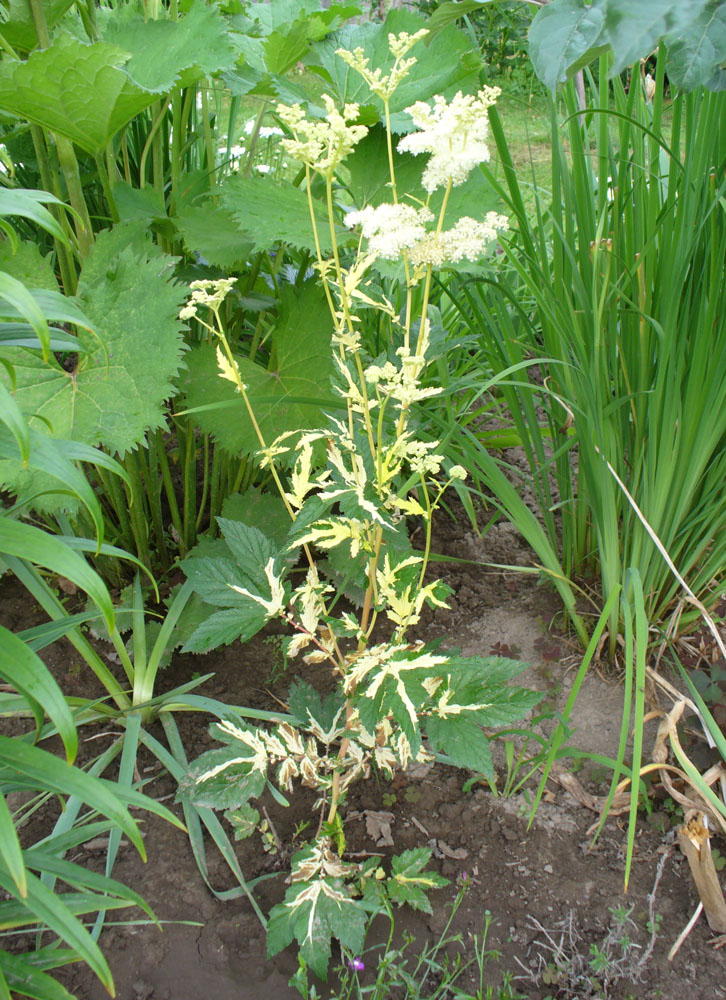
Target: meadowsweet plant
[[349, 488]]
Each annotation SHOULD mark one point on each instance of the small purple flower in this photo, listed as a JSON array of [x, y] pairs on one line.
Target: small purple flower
[[464, 876], [356, 964]]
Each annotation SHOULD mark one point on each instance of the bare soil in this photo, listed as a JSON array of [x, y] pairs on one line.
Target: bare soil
[[543, 885]]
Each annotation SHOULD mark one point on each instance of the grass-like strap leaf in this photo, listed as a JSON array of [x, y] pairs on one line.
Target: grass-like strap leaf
[[29, 203], [55, 776], [34, 545], [11, 854], [22, 303], [22, 668], [28, 981], [45, 906]]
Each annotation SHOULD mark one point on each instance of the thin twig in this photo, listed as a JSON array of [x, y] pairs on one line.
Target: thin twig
[[685, 932]]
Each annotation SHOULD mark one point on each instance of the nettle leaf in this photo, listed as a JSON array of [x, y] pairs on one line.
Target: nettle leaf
[[292, 394], [564, 35], [244, 821], [165, 53], [212, 232], [269, 211], [696, 52], [54, 87], [463, 740], [231, 782], [124, 375], [633, 29], [314, 913], [410, 882], [448, 64]]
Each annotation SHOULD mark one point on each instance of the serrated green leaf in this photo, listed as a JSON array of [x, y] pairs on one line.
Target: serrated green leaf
[[269, 211], [117, 391], [215, 579], [251, 549], [447, 14], [264, 511], [28, 265], [284, 396], [164, 52], [305, 703], [140, 205], [212, 232], [633, 29], [327, 912], [447, 65], [230, 787], [561, 34], [244, 821], [410, 883], [52, 87], [224, 627], [463, 741], [696, 52]]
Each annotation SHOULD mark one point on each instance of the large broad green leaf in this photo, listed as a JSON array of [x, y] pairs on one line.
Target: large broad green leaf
[[214, 233], [697, 53], [19, 28], [28, 265], [633, 29], [165, 52], [447, 65], [118, 388], [463, 741], [562, 34], [80, 91], [290, 395], [271, 211]]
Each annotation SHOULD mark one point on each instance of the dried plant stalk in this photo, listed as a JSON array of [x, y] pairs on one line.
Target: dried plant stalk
[[693, 838]]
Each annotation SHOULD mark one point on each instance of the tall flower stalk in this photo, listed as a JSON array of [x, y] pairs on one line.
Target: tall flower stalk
[[352, 485]]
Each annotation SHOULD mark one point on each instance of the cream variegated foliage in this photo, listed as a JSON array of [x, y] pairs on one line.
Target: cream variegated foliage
[[361, 473]]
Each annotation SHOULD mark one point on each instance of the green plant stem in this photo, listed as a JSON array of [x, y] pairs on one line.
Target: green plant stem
[[169, 490], [137, 512], [65, 258], [150, 472]]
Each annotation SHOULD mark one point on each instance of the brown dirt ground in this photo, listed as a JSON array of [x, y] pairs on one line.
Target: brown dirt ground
[[547, 878]]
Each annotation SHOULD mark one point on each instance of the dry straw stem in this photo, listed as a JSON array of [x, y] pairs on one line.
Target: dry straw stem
[[694, 841]]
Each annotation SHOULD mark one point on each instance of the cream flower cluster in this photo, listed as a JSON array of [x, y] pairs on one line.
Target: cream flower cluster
[[206, 293], [380, 85], [391, 229], [453, 133], [467, 240], [321, 144]]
